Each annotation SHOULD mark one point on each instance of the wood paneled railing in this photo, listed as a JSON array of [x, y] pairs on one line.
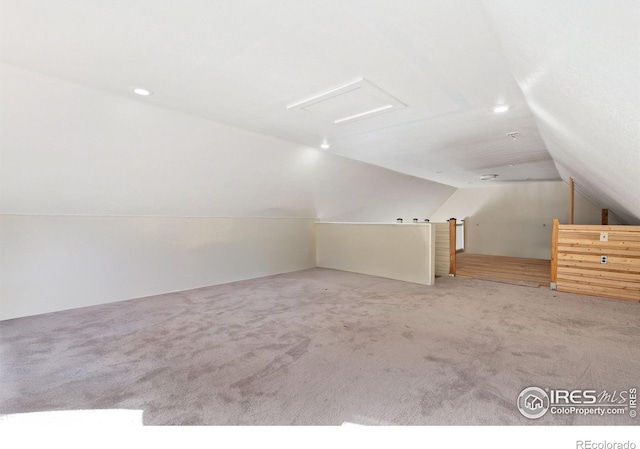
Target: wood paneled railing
[[596, 260]]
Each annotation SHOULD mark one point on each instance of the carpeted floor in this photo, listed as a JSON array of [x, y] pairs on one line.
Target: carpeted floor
[[323, 347]]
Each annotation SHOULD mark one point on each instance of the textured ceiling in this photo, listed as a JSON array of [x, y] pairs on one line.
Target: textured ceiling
[[580, 75], [450, 63]]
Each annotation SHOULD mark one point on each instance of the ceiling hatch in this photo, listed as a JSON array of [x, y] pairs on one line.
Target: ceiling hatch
[[355, 100]]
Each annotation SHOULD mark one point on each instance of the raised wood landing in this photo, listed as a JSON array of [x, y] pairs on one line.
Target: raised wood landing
[[501, 268]]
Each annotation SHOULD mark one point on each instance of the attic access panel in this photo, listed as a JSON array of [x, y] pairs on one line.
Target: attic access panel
[[355, 100]]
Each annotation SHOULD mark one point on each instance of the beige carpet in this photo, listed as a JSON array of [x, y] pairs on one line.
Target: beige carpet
[[323, 347]]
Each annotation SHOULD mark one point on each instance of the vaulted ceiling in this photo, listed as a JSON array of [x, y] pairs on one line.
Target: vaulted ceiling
[[409, 85]]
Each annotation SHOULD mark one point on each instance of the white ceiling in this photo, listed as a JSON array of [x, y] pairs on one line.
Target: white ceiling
[[580, 74], [243, 62]]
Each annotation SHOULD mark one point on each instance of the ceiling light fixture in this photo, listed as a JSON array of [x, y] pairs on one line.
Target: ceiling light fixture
[[363, 114], [488, 177], [501, 108], [141, 91], [325, 146], [325, 94], [358, 99]]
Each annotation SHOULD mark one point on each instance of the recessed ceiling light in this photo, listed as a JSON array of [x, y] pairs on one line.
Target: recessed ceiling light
[[501, 108], [325, 146], [141, 91], [488, 177]]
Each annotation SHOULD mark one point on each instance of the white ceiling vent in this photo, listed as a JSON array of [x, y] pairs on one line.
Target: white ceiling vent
[[355, 100]]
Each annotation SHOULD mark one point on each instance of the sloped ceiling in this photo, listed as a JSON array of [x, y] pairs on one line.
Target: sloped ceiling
[[578, 66], [66, 149], [243, 62]]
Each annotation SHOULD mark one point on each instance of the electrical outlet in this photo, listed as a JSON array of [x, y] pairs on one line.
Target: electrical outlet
[[603, 259], [604, 236]]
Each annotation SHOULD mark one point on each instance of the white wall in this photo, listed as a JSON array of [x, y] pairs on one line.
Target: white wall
[[125, 175], [56, 263], [514, 219], [397, 251]]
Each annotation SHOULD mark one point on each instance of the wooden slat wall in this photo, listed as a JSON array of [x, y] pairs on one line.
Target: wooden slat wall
[[442, 249], [579, 268]]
